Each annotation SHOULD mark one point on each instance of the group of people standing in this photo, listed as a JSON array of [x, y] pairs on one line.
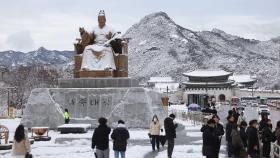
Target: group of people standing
[[120, 135], [243, 141]]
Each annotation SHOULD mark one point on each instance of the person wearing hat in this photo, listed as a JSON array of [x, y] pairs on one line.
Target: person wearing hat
[[170, 133], [219, 129], [98, 54], [120, 136], [210, 139]]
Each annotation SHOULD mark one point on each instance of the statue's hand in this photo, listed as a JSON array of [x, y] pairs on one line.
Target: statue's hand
[[109, 36], [82, 30]]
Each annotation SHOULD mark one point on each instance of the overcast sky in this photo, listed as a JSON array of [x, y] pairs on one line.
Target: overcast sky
[[28, 24]]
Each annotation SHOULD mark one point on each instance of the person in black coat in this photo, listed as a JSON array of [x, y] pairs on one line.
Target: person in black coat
[[267, 138], [275, 131], [263, 122], [235, 114], [120, 136], [229, 126], [253, 139], [170, 133], [219, 129], [210, 139], [243, 134], [100, 139]]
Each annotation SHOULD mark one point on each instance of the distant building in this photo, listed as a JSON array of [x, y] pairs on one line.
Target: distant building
[[162, 84], [243, 81], [203, 86]]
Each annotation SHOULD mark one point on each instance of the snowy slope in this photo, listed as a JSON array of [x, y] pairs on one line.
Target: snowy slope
[[160, 47]]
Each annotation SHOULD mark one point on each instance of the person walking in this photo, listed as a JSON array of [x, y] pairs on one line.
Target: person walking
[[237, 145], [120, 136], [241, 118], [243, 134], [229, 126], [155, 132], [253, 139], [21, 144], [219, 130], [210, 139], [170, 131], [66, 116], [267, 138], [100, 139]]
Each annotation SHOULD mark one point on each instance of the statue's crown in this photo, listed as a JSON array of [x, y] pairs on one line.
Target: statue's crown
[[101, 13]]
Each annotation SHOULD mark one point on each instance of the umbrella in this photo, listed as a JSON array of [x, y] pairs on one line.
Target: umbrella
[[194, 107]]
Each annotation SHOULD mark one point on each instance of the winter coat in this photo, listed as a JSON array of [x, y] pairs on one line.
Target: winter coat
[[100, 137], [253, 140], [219, 128], [170, 128], [155, 128], [229, 127], [267, 135], [277, 136], [240, 119], [120, 136], [243, 136], [210, 141], [21, 148], [236, 116], [263, 123], [238, 147]]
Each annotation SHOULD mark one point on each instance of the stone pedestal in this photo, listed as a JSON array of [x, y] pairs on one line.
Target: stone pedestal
[[134, 105]]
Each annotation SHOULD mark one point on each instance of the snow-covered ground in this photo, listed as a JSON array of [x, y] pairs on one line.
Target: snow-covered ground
[[79, 145]]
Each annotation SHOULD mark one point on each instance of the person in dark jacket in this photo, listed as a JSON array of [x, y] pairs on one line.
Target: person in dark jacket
[[263, 122], [243, 134], [219, 129], [237, 145], [267, 138], [170, 133], [253, 139], [120, 136], [100, 139], [229, 126], [210, 139], [235, 115], [275, 135]]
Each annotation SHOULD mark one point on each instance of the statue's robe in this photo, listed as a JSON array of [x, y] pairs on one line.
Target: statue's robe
[[99, 55]]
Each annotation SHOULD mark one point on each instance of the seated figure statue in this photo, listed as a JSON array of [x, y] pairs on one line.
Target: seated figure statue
[[98, 54]]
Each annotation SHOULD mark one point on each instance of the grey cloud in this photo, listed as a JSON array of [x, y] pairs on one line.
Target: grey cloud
[[21, 41]]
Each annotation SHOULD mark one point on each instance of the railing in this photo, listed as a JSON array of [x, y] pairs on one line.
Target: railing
[[276, 150], [197, 117]]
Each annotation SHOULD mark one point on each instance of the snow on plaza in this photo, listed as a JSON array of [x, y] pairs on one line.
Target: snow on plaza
[[79, 145]]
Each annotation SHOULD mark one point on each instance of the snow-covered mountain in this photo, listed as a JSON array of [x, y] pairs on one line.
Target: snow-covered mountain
[[160, 47], [40, 56]]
